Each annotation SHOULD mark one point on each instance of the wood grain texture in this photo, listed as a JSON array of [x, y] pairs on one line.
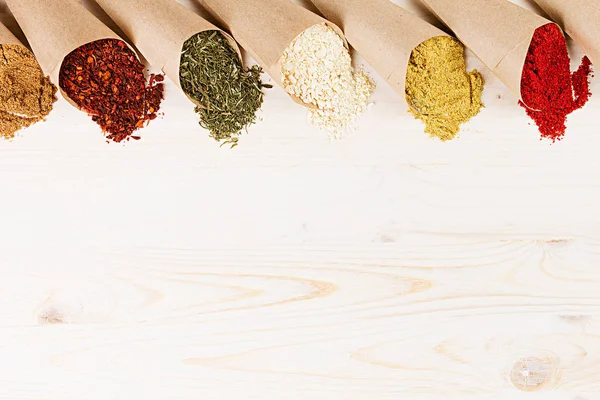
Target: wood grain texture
[[384, 266], [472, 319]]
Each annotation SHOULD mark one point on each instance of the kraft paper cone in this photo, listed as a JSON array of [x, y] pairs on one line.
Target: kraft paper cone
[[6, 36], [159, 29], [384, 33], [54, 28], [580, 19], [497, 31], [265, 28]]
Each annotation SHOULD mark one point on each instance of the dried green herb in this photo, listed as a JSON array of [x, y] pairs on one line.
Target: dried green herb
[[212, 74]]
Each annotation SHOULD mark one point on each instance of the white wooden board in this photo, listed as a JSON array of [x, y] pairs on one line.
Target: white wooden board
[[385, 266]]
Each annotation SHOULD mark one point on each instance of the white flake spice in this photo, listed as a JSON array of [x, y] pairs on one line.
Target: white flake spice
[[317, 68]]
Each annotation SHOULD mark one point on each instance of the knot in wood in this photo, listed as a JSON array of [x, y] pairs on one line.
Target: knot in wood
[[532, 374]]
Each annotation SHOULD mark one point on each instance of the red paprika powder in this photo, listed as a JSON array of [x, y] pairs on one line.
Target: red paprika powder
[[549, 91], [106, 80]]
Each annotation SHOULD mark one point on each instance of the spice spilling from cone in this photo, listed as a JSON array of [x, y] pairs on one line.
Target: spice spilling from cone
[[106, 80], [438, 88], [212, 74], [549, 90], [317, 68], [26, 95]]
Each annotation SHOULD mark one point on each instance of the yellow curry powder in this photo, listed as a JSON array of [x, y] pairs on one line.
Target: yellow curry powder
[[26, 95], [439, 90]]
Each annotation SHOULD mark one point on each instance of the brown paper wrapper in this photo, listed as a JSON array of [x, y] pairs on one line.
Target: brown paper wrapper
[[54, 28], [497, 31], [580, 19], [384, 33], [7, 37], [265, 28], [159, 29]]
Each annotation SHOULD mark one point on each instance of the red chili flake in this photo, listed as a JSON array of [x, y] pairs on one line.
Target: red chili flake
[[550, 92], [106, 80]]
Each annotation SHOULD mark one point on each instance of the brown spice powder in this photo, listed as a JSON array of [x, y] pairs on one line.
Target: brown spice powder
[[26, 95]]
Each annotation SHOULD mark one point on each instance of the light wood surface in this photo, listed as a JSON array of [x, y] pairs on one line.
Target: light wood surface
[[384, 266]]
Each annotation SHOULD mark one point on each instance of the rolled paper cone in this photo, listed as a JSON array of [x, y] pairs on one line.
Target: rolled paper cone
[[266, 28], [159, 30], [580, 19], [497, 31], [54, 28], [7, 37], [383, 32]]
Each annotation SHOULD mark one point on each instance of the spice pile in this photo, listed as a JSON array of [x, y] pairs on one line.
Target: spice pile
[[438, 88], [26, 95], [317, 68], [212, 74], [549, 91], [106, 80]]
